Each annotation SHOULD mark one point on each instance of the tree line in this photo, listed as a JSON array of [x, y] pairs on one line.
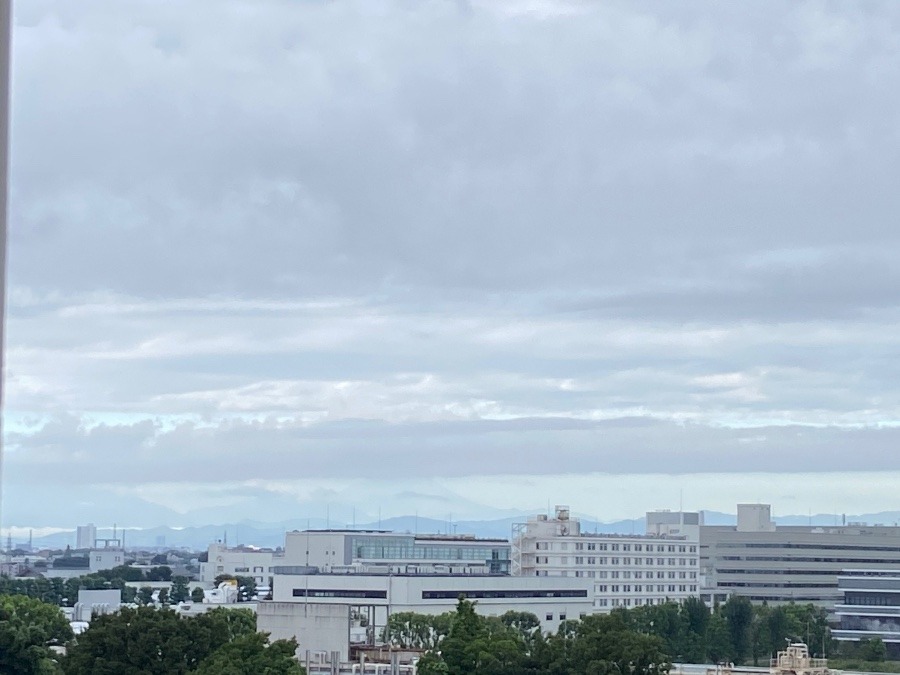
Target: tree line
[[64, 592], [639, 641], [139, 641]]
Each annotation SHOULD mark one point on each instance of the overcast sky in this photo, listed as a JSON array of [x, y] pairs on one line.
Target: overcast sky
[[272, 257]]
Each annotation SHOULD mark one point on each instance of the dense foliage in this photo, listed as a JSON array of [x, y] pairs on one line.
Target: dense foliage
[[463, 642], [28, 628], [638, 641], [57, 591], [146, 641]]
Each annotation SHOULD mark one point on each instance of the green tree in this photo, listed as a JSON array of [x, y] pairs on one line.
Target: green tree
[[162, 573], [145, 595], [251, 655], [478, 645], [695, 619], [431, 664], [606, 644], [873, 649], [718, 639], [162, 596], [147, 641], [197, 594], [229, 623], [28, 627], [246, 588], [179, 592], [738, 613]]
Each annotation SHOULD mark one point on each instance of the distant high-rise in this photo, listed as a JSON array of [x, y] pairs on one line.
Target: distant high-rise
[[85, 536]]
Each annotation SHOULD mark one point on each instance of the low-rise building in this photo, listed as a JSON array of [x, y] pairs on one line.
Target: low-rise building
[[318, 609]]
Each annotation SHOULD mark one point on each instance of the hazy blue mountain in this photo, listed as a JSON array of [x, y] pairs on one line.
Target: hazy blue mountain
[[264, 534]]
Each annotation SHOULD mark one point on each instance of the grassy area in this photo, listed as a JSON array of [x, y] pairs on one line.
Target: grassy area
[[864, 666]]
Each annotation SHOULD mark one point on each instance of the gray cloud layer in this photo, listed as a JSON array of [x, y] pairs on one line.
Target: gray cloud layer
[[452, 238]]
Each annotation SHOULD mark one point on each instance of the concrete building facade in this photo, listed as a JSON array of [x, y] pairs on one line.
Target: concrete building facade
[[238, 561], [623, 570], [551, 600], [869, 606], [780, 564], [376, 550]]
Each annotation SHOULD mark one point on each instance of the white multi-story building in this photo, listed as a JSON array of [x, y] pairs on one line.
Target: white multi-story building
[[239, 561], [85, 536], [624, 570]]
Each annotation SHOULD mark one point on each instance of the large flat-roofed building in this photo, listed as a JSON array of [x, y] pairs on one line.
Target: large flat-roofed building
[[374, 550], [780, 564], [869, 607], [551, 600], [623, 570]]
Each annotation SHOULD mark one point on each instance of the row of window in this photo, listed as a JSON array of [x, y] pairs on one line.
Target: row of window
[[822, 547], [591, 574], [817, 559], [876, 599], [478, 595], [602, 560], [594, 546], [640, 588], [831, 573], [437, 595], [629, 602], [562, 616]]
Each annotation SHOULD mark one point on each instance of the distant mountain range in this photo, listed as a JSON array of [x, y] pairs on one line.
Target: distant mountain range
[[272, 534]]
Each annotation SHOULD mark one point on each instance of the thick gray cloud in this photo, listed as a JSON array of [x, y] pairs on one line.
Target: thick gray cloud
[[448, 239]]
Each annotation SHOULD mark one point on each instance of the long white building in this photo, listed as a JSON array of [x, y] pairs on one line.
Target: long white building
[[320, 609], [361, 551], [378, 550], [623, 570]]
